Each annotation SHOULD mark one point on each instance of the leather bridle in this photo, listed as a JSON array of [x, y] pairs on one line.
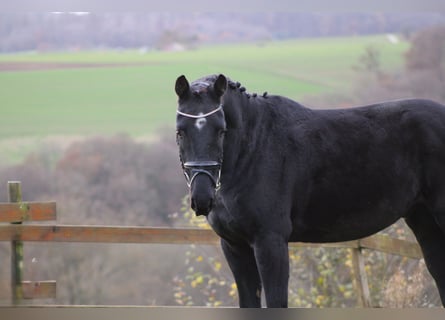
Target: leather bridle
[[192, 169]]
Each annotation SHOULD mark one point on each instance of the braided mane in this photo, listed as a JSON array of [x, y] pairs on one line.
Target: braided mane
[[201, 85]]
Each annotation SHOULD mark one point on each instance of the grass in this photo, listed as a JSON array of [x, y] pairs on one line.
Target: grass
[[138, 99]]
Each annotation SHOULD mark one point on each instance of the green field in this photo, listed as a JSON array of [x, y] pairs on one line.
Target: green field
[[138, 99]]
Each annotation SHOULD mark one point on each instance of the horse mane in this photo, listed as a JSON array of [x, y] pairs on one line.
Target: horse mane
[[201, 85]]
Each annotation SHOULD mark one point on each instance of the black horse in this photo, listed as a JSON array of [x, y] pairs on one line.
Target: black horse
[[266, 170]]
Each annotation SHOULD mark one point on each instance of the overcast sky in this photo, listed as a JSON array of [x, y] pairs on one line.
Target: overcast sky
[[222, 5]]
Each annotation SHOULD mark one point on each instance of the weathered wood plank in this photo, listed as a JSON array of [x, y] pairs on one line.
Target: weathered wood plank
[[392, 246], [345, 244], [27, 211], [111, 234], [15, 196], [115, 234], [361, 280], [35, 290], [107, 234], [39, 289]]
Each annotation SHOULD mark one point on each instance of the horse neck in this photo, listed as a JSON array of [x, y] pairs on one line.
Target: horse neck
[[241, 110], [251, 121], [242, 116]]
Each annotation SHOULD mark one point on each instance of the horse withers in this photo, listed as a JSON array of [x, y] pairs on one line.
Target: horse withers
[[266, 171]]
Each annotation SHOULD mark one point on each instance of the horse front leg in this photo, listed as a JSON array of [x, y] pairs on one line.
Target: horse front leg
[[272, 257], [242, 262]]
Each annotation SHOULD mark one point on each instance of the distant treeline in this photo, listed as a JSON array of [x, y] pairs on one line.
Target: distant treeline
[[61, 31]]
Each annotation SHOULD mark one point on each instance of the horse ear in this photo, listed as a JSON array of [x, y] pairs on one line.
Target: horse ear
[[182, 86], [220, 85]]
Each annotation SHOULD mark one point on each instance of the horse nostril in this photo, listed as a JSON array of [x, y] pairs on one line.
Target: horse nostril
[[201, 206]]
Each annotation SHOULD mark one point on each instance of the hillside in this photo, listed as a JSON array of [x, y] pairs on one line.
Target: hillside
[[107, 92]]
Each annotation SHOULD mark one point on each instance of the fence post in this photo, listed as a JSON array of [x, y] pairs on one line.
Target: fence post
[[361, 279], [15, 195]]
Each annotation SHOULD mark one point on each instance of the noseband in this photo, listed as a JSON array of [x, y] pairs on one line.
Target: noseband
[[192, 169]]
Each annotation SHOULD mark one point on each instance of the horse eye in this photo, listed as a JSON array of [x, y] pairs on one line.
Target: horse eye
[[222, 133]]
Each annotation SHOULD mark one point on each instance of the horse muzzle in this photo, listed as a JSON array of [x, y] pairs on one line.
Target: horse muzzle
[[203, 179]]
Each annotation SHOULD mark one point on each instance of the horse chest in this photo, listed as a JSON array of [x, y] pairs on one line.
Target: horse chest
[[229, 227]]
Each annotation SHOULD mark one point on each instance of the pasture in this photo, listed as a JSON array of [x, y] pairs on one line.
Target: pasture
[[72, 94]]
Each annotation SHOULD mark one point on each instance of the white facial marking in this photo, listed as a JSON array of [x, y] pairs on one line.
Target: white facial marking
[[200, 122]]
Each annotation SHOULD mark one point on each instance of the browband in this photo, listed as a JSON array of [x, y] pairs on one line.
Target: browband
[[201, 115]]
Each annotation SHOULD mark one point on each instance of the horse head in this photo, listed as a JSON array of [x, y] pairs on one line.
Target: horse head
[[200, 129]]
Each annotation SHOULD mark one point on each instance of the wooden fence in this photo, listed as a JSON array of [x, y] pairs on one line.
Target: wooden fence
[[15, 213]]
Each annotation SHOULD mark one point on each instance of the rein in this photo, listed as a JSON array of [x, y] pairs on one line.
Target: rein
[[192, 169]]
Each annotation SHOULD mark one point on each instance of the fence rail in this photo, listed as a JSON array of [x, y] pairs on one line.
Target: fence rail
[[27, 211], [16, 211], [155, 235]]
